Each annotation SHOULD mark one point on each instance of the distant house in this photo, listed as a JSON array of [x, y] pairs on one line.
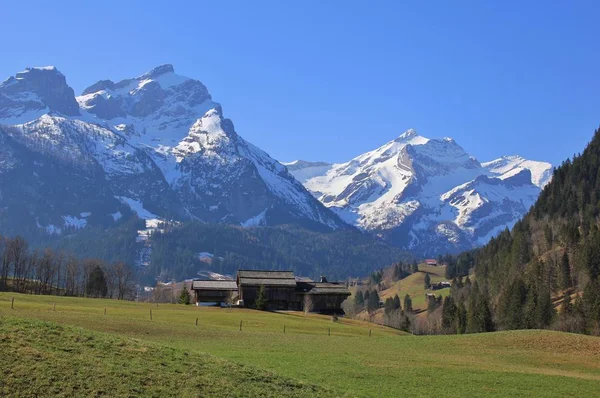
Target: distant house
[[280, 289], [210, 291], [324, 297], [440, 285], [431, 261]]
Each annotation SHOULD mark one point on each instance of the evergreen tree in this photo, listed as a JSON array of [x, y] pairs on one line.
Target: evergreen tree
[[396, 302], [184, 296], [408, 309], [545, 312], [564, 276], [461, 318], [359, 299], [373, 302], [479, 316], [427, 281], [96, 285], [449, 315], [414, 267], [388, 306], [261, 298]]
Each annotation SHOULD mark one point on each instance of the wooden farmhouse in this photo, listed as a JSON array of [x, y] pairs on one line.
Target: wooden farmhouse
[[324, 297], [280, 289], [283, 291], [209, 291]]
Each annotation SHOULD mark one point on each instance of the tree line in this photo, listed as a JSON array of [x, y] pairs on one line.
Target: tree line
[[55, 272]]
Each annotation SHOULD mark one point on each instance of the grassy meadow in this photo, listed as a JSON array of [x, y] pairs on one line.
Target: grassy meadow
[[414, 286], [74, 349]]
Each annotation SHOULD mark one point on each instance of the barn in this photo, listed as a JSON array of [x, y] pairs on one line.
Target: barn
[[211, 291], [279, 286], [324, 297]]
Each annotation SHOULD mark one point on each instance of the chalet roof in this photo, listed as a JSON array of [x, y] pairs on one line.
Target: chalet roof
[[329, 288], [214, 285], [266, 278], [323, 288]]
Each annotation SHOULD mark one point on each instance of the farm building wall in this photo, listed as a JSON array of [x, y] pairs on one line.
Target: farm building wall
[[278, 297]]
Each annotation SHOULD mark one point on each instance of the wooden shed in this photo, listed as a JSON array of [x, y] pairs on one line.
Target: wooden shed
[[210, 291], [280, 289], [324, 297]]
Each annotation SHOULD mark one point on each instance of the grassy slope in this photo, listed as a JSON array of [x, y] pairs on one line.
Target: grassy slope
[[414, 285], [347, 363], [54, 360]]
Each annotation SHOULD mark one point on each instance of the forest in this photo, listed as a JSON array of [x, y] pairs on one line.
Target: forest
[[336, 255], [544, 273]]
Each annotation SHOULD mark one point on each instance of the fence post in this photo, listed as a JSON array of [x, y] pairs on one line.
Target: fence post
[[196, 321], [150, 314], [283, 328], [369, 332], [240, 325], [329, 332], [105, 312], [54, 308], [12, 304]]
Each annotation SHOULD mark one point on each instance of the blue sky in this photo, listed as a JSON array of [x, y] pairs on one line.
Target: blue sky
[[328, 80]]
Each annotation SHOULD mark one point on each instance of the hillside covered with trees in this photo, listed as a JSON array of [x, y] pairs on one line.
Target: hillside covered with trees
[[545, 271], [336, 255]]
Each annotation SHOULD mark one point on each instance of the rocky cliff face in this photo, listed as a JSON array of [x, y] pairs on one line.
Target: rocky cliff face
[[156, 145]]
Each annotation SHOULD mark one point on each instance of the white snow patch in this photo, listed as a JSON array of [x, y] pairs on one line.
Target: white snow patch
[[257, 220], [137, 207], [72, 221], [116, 216]]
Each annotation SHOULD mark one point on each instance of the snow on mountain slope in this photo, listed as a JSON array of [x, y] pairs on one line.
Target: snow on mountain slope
[[303, 170], [426, 195], [506, 166], [158, 140], [33, 93]]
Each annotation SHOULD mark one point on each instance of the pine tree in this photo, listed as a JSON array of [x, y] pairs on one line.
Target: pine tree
[[184, 296], [396, 302], [373, 302], [564, 276], [414, 267], [359, 299], [261, 298], [545, 312], [96, 285], [408, 309], [427, 282], [449, 315], [389, 305], [461, 318]]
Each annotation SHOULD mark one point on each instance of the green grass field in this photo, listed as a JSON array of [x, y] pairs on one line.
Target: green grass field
[[77, 350]]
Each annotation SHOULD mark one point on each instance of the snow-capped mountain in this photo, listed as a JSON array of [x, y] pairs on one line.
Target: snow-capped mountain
[[156, 145], [426, 195]]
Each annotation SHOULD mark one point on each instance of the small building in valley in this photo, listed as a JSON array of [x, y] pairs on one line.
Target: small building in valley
[[431, 261], [211, 291]]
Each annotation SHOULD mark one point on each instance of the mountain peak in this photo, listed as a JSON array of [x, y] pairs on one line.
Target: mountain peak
[[410, 133], [34, 92], [158, 71]]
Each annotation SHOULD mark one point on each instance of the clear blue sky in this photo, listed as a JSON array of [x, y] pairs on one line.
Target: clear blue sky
[[328, 80]]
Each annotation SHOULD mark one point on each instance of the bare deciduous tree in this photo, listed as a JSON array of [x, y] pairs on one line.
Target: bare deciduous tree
[[308, 303], [123, 278], [71, 275]]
